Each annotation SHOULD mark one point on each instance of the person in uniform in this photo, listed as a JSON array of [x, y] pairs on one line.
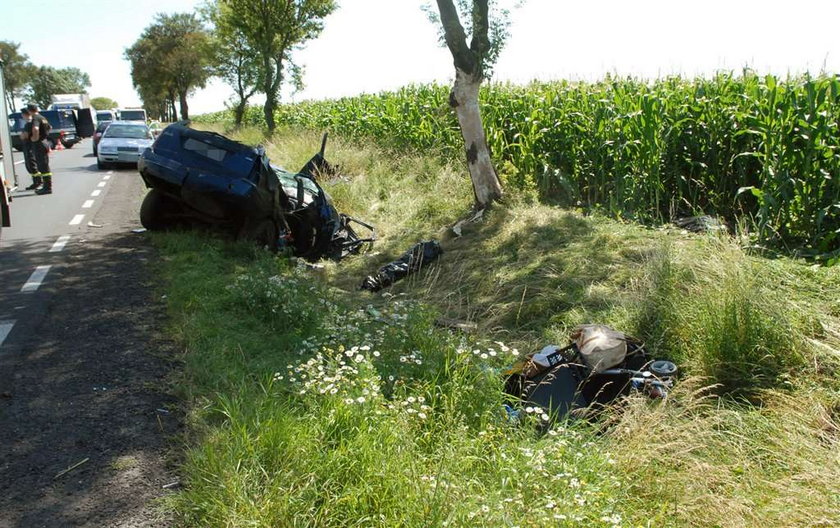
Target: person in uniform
[[40, 149], [28, 158]]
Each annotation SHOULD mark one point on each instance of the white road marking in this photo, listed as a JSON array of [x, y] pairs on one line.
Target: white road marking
[[19, 162], [60, 243], [35, 279], [97, 192], [109, 172], [5, 328], [88, 204], [77, 219], [107, 176], [101, 184]]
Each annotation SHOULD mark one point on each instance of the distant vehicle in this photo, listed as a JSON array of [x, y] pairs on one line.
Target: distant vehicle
[[123, 142], [105, 115], [132, 114], [70, 102], [80, 105], [63, 123], [97, 136]]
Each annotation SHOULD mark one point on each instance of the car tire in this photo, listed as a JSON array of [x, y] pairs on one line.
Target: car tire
[[100, 165], [158, 212], [263, 231]]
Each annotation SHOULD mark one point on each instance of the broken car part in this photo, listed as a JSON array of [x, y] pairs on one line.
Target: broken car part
[[410, 262]]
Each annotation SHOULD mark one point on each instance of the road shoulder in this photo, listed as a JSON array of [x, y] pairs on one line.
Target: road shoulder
[[86, 419]]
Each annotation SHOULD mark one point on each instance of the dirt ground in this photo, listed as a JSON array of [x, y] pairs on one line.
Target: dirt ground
[[87, 386]]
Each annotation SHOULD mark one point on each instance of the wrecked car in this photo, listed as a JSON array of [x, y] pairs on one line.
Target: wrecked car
[[201, 178]]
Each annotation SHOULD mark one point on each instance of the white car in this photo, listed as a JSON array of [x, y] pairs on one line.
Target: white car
[[123, 142]]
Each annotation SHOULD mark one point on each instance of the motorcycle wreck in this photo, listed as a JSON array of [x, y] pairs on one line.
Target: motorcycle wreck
[[203, 179]]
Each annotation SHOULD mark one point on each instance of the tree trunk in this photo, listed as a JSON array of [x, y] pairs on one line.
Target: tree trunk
[[185, 110], [239, 111], [172, 108], [464, 100], [268, 111]]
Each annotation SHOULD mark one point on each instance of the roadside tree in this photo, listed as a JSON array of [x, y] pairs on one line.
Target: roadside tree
[[232, 60], [270, 30], [17, 69], [47, 81], [487, 29], [103, 103], [171, 58]]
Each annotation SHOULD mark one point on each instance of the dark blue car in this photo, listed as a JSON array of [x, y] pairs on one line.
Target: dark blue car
[[204, 178]]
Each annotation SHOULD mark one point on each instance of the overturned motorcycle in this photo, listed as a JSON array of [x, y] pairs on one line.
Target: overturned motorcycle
[[200, 178]]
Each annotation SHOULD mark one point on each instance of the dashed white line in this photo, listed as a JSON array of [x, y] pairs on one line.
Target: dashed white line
[[101, 184], [107, 177], [60, 243], [88, 204], [97, 192], [35, 279], [19, 162], [110, 172], [5, 328], [77, 219]]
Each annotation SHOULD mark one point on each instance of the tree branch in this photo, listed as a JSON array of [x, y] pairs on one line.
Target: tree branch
[[480, 44], [456, 37]]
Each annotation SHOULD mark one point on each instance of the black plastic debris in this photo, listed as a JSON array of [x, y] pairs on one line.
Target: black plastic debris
[[410, 262], [562, 385]]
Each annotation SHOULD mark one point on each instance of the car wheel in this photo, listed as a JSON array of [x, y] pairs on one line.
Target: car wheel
[[159, 212], [100, 165], [263, 231]]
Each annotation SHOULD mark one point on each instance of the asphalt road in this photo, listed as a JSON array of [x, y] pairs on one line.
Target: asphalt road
[[85, 413], [44, 229]]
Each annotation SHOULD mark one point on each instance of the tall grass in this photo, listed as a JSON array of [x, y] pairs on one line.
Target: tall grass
[[758, 148], [313, 404]]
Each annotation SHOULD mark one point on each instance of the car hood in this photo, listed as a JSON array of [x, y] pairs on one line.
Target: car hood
[[125, 142]]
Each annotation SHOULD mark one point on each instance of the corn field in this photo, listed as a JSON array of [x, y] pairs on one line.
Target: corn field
[[749, 148]]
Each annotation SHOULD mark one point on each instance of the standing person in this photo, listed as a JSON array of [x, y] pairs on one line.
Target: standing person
[[40, 148], [28, 157]]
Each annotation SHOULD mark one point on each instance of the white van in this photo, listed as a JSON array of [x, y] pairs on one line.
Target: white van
[[132, 114]]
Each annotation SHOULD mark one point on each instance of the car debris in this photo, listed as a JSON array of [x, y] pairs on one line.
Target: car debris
[[410, 262], [598, 367], [203, 179]]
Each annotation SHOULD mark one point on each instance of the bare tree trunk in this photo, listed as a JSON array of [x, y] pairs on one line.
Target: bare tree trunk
[[464, 100], [172, 107], [239, 112], [268, 111], [185, 110]]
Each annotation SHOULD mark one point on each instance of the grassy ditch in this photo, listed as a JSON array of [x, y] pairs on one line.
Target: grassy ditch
[[312, 404]]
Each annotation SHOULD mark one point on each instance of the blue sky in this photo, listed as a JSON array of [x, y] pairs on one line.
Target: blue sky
[[372, 45]]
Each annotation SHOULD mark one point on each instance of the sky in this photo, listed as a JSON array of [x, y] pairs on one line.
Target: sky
[[372, 45]]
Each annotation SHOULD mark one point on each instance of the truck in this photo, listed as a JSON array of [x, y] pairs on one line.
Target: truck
[[79, 104]]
